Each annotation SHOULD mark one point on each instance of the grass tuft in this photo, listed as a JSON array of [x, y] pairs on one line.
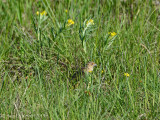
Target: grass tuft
[[42, 43]]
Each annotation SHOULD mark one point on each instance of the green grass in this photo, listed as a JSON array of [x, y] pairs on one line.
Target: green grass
[[37, 58]]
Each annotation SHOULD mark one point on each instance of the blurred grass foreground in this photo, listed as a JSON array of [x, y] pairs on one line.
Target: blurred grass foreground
[[44, 42]]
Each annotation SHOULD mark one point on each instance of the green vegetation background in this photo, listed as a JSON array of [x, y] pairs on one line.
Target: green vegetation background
[[37, 59]]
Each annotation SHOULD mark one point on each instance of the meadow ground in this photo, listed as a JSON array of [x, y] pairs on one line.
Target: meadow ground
[[42, 42]]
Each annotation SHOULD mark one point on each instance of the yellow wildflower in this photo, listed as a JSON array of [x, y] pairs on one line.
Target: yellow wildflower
[[126, 74], [102, 71], [112, 34], [90, 22], [44, 13], [37, 12], [66, 11], [70, 22]]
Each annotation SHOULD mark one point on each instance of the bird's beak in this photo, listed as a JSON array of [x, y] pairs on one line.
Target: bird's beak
[[95, 65]]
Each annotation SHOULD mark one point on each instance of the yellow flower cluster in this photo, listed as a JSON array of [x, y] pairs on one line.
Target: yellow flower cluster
[[42, 13], [126, 74], [112, 34], [66, 10], [90, 22], [70, 22]]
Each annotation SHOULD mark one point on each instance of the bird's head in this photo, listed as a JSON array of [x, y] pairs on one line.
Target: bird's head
[[90, 66]]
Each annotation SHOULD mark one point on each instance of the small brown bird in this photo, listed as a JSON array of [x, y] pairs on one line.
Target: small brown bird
[[89, 67], [86, 70]]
